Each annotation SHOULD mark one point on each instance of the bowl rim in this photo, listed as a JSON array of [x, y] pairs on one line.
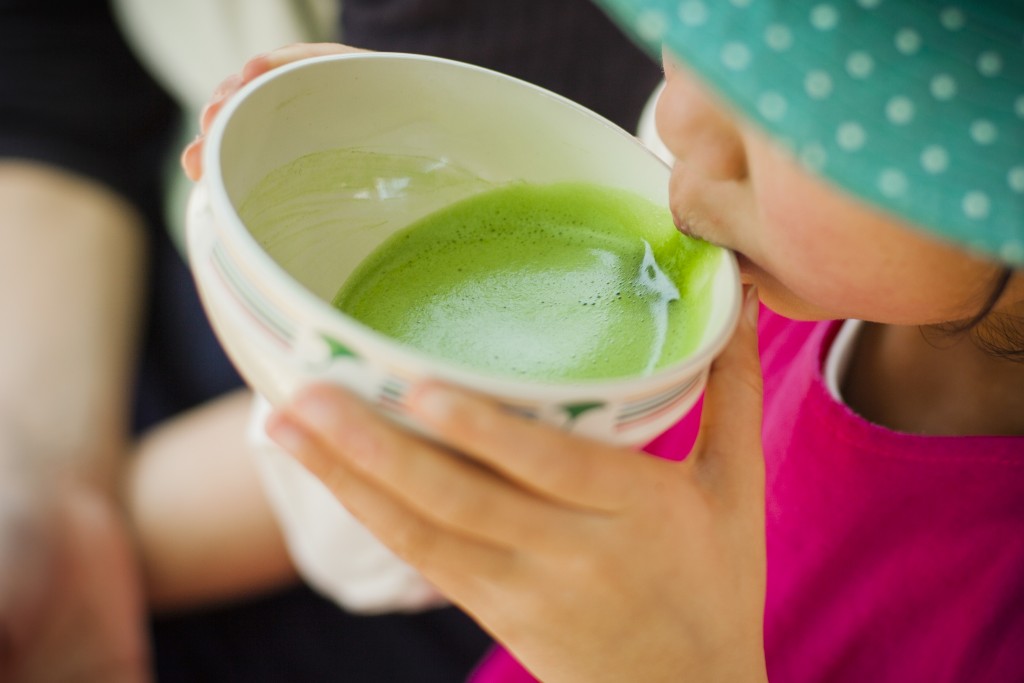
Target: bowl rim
[[311, 310]]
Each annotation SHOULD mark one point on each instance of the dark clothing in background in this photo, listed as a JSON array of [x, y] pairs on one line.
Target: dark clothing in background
[[73, 96], [568, 46]]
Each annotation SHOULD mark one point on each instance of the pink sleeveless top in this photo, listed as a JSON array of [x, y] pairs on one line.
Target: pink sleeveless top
[[891, 557]]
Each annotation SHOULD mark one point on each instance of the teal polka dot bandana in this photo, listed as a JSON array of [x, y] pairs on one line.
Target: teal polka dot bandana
[[915, 106]]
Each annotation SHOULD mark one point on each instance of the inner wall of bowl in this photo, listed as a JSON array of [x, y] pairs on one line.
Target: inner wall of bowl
[[724, 290], [495, 128]]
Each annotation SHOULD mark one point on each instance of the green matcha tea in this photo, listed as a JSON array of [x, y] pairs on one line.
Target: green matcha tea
[[550, 282]]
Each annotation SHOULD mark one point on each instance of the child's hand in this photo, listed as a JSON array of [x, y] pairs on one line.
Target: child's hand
[[192, 156], [589, 562]]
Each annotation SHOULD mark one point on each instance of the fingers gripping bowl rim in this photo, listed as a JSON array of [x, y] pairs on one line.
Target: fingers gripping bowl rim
[[272, 311]]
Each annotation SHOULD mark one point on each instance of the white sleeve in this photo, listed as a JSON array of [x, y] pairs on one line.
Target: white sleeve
[[647, 131], [333, 552], [190, 45]]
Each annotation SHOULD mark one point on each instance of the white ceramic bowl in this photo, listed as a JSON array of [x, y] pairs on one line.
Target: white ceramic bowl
[[268, 291]]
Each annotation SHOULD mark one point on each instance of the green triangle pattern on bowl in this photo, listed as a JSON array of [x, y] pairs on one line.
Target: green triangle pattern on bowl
[[338, 350], [575, 410]]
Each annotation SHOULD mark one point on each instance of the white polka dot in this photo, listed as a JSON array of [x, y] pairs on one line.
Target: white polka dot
[[860, 64], [824, 17], [818, 84], [1018, 106], [735, 56], [976, 205], [850, 136], [934, 159], [772, 105], [693, 12], [893, 183], [813, 156], [1012, 251], [899, 110], [651, 25], [952, 18], [1016, 179], [984, 132], [990, 63], [943, 87], [778, 37], [869, 4], [908, 41]]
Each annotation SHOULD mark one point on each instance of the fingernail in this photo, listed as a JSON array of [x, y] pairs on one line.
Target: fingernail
[[434, 402], [227, 84], [253, 63], [186, 162], [318, 411], [286, 433], [204, 116]]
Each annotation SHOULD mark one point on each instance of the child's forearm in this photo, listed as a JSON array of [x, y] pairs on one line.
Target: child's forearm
[[204, 529]]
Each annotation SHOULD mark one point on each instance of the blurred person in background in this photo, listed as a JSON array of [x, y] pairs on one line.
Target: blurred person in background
[[112, 387]]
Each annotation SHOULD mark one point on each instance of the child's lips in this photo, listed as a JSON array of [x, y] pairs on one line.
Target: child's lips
[[747, 267], [693, 222], [683, 226], [686, 225]]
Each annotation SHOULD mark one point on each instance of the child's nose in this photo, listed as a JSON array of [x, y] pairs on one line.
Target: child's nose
[[719, 153], [699, 130]]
